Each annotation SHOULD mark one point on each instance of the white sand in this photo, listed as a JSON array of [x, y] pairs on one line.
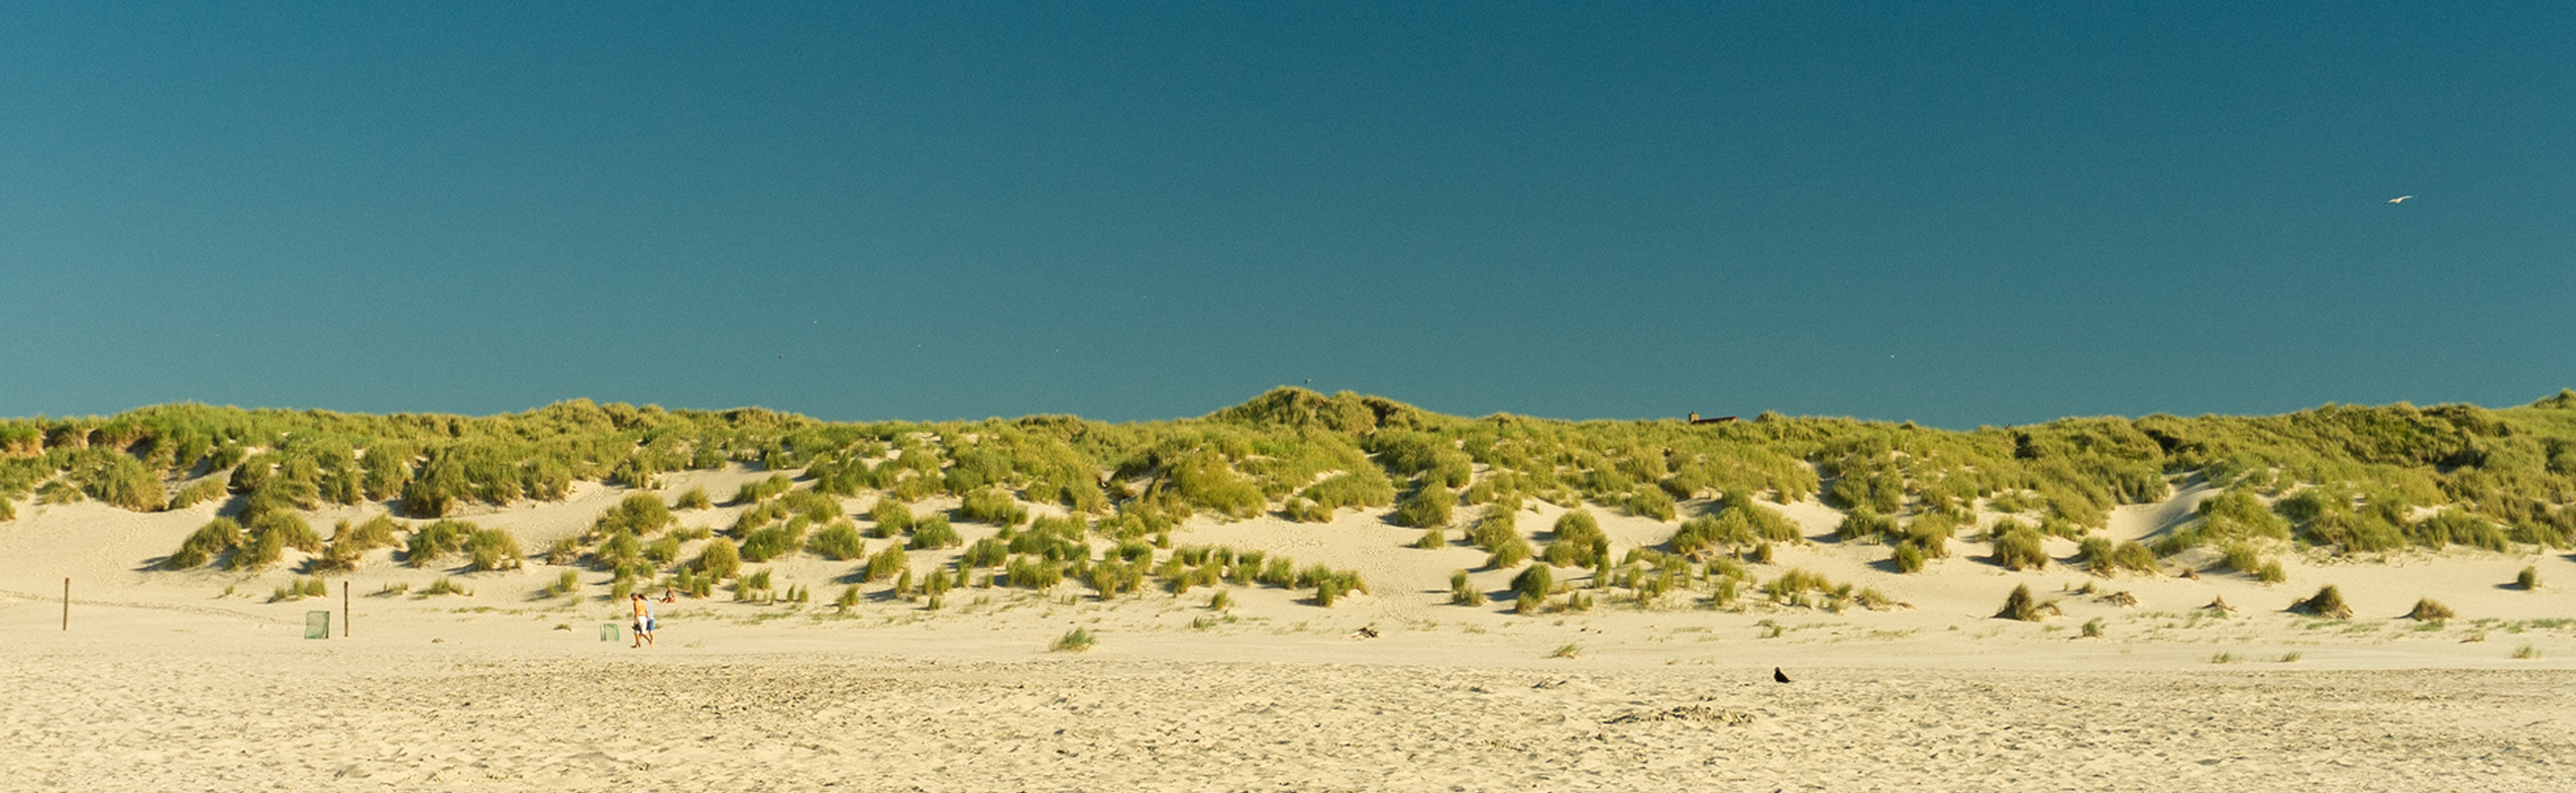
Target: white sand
[[164, 682]]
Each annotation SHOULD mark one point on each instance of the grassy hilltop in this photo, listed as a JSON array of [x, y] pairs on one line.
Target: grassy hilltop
[[2335, 480]]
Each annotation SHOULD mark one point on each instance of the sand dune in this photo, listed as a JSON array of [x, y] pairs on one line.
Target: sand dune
[[166, 681]]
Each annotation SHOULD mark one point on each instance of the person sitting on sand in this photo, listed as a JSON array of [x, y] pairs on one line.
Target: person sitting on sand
[[643, 620]]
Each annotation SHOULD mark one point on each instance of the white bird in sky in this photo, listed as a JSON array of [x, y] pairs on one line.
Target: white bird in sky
[[2399, 199]]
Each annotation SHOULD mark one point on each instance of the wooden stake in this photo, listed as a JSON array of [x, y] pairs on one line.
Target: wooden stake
[[344, 609], [67, 604]]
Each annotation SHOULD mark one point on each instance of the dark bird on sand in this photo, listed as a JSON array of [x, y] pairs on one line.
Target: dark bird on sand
[[1778, 676]]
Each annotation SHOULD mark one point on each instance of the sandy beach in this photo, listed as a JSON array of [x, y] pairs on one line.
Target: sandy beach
[[195, 681]]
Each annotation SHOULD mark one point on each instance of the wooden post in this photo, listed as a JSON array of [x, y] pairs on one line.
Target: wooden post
[[67, 604], [344, 609]]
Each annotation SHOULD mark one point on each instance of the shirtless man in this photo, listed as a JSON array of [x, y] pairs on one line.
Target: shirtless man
[[643, 620]]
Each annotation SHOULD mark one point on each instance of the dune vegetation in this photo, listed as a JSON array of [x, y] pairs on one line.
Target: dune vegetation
[[1088, 503]]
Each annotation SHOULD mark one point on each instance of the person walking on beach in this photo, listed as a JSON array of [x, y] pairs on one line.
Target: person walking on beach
[[643, 620]]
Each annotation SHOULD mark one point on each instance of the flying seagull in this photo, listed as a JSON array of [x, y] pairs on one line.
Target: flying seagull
[[2399, 199]]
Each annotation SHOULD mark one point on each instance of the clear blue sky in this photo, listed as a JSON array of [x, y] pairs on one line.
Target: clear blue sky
[[1958, 214]]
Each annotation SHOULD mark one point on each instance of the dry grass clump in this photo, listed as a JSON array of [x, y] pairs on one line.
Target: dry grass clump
[[446, 586], [2528, 579], [2327, 602], [2430, 610], [2021, 605]]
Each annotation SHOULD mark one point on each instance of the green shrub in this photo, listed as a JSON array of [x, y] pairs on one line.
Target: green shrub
[[891, 518], [990, 552], [2528, 579], [1536, 580], [1907, 558], [118, 479], [2241, 558], [436, 541], [192, 495], [773, 542], [839, 542], [1431, 540], [2272, 573], [1111, 578], [1498, 524], [1428, 508], [566, 582], [994, 506], [1578, 541], [290, 529], [1363, 488], [2230, 516], [1464, 592], [1034, 573], [696, 498], [887, 563], [1931, 533], [1654, 504], [206, 543], [1866, 524], [2455, 527], [755, 492], [446, 586], [2018, 548], [661, 551], [720, 559], [638, 513], [934, 532], [2134, 557], [618, 551], [494, 549]]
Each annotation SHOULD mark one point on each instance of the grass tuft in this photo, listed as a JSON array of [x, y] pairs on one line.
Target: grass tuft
[[2430, 610], [1074, 641]]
